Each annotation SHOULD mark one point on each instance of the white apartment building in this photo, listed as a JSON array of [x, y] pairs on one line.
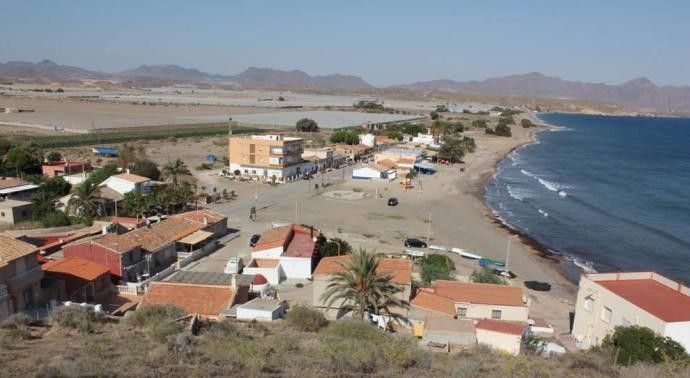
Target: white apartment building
[[648, 299]]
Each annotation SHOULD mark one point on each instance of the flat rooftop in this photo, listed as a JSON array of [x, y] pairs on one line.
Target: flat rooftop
[[325, 119]]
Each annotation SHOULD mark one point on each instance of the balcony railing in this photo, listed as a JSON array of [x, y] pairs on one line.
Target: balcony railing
[[3, 291]]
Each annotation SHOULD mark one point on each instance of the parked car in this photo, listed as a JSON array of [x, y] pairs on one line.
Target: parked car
[[306, 176], [504, 273], [392, 201], [233, 266], [538, 285], [254, 239], [414, 243]]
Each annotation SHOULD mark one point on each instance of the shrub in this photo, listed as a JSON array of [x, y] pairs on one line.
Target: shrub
[[503, 129], [158, 319], [434, 115], [640, 344], [306, 124], [55, 219], [485, 275], [335, 246], [525, 123], [436, 267], [344, 136], [82, 319], [441, 109], [299, 285], [305, 319]]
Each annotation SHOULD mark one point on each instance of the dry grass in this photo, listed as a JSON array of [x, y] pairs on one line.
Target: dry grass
[[343, 348]]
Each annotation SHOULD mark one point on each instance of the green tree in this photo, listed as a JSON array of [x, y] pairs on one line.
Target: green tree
[[441, 109], [24, 158], [640, 344], [413, 128], [85, 201], [101, 174], [5, 146], [146, 168], [395, 135], [43, 203], [369, 106], [175, 169], [136, 204], [479, 123], [54, 157], [55, 219], [57, 186], [434, 115], [436, 267], [503, 130], [333, 246], [359, 288], [307, 125], [344, 136], [485, 275], [526, 123], [453, 149]]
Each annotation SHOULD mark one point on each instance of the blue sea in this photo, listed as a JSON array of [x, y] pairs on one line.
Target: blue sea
[[613, 191]]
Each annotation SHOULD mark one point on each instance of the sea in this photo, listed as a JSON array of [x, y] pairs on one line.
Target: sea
[[608, 193]]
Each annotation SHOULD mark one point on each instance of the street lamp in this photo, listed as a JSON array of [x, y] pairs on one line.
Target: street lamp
[[510, 238], [336, 243]]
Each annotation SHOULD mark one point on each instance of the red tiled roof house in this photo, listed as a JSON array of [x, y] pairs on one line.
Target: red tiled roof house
[[75, 279], [285, 252]]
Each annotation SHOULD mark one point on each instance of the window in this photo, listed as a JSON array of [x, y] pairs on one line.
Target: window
[[496, 314], [462, 312], [589, 304], [606, 314], [2, 214]]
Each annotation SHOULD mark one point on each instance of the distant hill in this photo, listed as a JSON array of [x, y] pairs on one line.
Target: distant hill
[[267, 77], [637, 93], [45, 69], [171, 72]]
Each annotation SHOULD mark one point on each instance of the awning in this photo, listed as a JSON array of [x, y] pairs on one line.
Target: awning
[[196, 237], [19, 188]]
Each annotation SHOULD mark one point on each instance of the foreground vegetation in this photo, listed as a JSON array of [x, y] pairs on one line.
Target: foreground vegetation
[[75, 343]]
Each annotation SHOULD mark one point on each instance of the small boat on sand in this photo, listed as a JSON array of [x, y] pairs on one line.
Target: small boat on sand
[[466, 254]]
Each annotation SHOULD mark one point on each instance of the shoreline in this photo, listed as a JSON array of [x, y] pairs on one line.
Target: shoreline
[[545, 255]]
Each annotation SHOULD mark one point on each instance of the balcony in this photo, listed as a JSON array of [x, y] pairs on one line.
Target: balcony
[[3, 291]]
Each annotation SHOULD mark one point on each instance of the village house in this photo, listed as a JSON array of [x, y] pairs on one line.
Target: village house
[[399, 269], [500, 335], [472, 300], [261, 309], [74, 172], [141, 253], [355, 152], [206, 300], [20, 276], [285, 252], [75, 279], [648, 299], [12, 188], [274, 158], [403, 159], [127, 182], [14, 211], [443, 331]]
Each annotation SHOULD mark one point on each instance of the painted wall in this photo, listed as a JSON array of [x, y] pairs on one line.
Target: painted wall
[[482, 311], [296, 267], [679, 331], [505, 342]]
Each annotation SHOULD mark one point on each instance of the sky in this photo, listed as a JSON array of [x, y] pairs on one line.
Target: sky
[[384, 42]]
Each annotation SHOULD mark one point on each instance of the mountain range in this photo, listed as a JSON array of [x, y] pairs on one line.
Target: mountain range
[[640, 93]]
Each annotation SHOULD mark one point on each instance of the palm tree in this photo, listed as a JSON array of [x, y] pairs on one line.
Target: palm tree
[[174, 169], [85, 200], [43, 203], [360, 288]]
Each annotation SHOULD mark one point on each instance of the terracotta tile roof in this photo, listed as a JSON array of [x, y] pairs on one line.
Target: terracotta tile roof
[[150, 238], [10, 182], [76, 266], [501, 326], [296, 240], [12, 249], [479, 293], [432, 302], [198, 216], [273, 238], [400, 270], [135, 179], [114, 242], [207, 300], [657, 299]]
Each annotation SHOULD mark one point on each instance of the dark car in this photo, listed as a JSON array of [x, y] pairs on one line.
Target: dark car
[[254, 239], [392, 201], [414, 243], [538, 286]]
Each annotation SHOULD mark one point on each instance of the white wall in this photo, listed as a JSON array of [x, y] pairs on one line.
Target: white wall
[[679, 331], [252, 314], [296, 267], [273, 275], [505, 342], [271, 253], [366, 172]]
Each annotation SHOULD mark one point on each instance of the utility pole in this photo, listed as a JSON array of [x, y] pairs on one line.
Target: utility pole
[[428, 232], [510, 238]]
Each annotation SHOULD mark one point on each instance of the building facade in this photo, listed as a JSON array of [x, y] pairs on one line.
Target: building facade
[[20, 276], [275, 158], [647, 299], [13, 211]]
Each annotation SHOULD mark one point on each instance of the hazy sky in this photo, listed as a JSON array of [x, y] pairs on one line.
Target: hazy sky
[[384, 42]]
